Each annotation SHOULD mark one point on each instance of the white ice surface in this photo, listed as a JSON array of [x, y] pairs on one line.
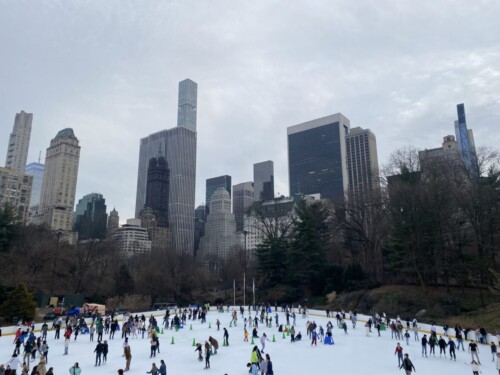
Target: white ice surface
[[352, 354]]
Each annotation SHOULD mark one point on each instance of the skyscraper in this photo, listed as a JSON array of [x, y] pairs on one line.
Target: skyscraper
[[19, 142], [35, 170], [242, 200], [188, 94], [113, 222], [59, 181], [213, 184], [179, 147], [90, 218], [317, 158], [199, 226], [220, 229], [465, 141], [157, 189], [263, 179], [362, 162]]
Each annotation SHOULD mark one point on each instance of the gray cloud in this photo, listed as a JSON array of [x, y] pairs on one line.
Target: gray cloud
[[110, 70]]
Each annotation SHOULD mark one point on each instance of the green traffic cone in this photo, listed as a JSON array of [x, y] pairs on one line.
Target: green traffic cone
[[209, 325], [172, 342], [176, 328], [190, 327], [231, 323], [161, 331], [284, 334], [252, 341], [194, 342], [274, 338]]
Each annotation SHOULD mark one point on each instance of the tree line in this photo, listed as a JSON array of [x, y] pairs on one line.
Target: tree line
[[430, 225]]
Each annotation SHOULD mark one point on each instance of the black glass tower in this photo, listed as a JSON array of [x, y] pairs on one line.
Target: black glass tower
[[317, 158], [158, 189]]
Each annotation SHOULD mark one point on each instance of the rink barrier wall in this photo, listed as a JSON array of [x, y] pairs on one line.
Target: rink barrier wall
[[422, 327]]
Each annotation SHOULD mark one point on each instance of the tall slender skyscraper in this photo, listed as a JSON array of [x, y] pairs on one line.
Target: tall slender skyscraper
[[19, 142], [465, 141], [263, 179], [212, 185], [179, 147], [362, 161], [59, 181], [317, 158], [242, 200], [188, 94]]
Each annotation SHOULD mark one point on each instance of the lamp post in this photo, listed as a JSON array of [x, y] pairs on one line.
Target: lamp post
[[58, 233], [245, 233]]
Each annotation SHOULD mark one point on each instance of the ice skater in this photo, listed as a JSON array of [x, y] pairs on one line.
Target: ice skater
[[407, 365], [399, 353]]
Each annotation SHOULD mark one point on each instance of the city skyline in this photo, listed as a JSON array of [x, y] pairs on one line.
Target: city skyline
[[254, 81]]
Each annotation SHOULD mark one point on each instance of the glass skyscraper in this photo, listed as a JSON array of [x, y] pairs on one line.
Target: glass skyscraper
[[90, 217], [263, 179], [465, 142], [243, 197], [35, 170], [317, 158], [179, 147]]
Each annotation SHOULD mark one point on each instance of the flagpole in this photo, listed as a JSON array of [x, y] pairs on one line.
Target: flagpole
[[234, 292], [253, 288]]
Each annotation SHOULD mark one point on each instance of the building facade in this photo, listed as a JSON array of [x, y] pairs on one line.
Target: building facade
[[220, 237], [59, 182], [362, 162], [317, 158], [158, 189], [179, 147], [160, 236], [19, 142], [441, 158], [15, 191], [132, 239], [199, 226], [90, 218], [214, 183], [242, 200], [263, 180]]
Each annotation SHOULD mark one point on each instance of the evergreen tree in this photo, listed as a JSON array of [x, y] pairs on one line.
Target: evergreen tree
[[9, 227], [271, 265], [306, 255], [124, 282], [19, 303]]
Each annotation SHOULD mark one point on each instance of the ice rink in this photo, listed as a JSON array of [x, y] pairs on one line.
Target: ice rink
[[354, 353]]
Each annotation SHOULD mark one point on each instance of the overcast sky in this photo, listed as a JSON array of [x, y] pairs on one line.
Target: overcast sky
[[110, 70]]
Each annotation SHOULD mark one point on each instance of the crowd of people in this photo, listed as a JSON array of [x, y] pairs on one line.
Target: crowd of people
[[28, 346]]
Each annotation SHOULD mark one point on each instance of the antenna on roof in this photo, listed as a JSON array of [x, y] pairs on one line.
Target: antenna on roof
[[39, 156]]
